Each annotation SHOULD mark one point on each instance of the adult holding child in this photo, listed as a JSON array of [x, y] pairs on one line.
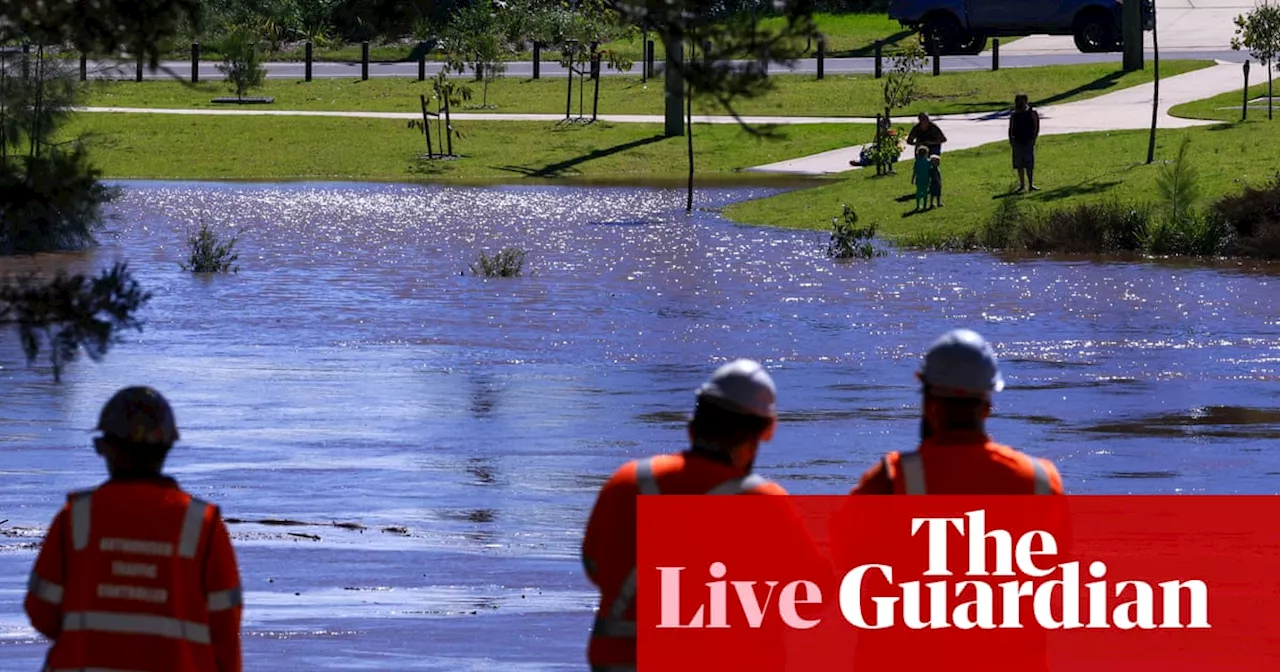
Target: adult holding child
[[926, 134], [1024, 130]]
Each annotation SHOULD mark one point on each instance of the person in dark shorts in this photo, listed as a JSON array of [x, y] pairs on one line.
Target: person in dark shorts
[[935, 181], [1024, 129]]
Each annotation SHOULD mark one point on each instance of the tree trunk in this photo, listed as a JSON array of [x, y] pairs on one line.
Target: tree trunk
[[674, 88], [1155, 97], [688, 106]]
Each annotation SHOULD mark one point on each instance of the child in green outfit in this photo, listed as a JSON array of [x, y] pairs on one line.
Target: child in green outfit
[[920, 176]]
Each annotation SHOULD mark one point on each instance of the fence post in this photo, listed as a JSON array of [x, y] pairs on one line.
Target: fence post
[[308, 59], [648, 58], [84, 67], [937, 63], [995, 54], [26, 60], [195, 62], [537, 59], [422, 61], [1244, 106], [879, 57], [139, 73], [822, 53], [364, 60]]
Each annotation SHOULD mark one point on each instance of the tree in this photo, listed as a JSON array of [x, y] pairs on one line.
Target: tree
[[715, 37], [1155, 91], [475, 39], [900, 81], [241, 61], [70, 311], [1259, 32]]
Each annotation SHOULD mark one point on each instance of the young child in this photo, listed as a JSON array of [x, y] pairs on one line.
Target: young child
[[920, 176], [935, 181]]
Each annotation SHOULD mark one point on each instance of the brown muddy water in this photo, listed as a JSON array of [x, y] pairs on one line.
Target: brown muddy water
[[408, 452]]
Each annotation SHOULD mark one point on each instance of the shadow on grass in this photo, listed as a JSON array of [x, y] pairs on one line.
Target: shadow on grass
[[558, 169], [870, 49], [1100, 84], [1080, 189]]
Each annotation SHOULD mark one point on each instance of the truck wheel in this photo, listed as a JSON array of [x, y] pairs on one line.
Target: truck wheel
[[1095, 32], [974, 45], [943, 32]]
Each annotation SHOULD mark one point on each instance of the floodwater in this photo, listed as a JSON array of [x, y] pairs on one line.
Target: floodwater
[[437, 439]]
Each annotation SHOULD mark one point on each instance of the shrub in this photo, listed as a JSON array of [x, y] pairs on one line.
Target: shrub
[[50, 202], [1252, 210], [506, 263], [209, 252], [1179, 184], [241, 62], [850, 241]]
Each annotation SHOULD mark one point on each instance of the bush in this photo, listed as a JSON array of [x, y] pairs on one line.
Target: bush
[[1252, 210], [50, 202], [506, 263], [241, 63], [209, 252], [850, 241]]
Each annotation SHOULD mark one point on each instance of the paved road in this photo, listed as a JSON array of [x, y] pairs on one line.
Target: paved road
[[209, 70]]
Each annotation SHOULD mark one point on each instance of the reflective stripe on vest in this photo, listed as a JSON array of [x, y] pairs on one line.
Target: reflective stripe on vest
[[46, 590], [88, 669], [135, 624], [225, 599], [80, 510], [613, 668], [913, 474], [188, 538], [614, 625]]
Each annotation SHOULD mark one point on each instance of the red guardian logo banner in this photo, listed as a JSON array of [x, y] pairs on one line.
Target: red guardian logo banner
[[1026, 584]]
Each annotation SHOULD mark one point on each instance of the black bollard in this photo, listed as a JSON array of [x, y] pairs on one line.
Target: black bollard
[[1244, 106], [537, 60], [822, 53], [195, 62], [879, 59], [649, 49], [84, 66], [139, 74], [995, 54], [308, 60], [26, 61], [937, 64], [422, 62], [364, 61]]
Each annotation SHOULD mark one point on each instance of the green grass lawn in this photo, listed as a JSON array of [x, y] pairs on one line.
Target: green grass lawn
[[1226, 107], [848, 35], [1070, 169], [795, 95], [273, 148]]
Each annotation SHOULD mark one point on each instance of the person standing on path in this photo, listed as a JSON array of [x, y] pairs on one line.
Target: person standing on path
[[927, 134], [734, 413], [136, 574], [1024, 130]]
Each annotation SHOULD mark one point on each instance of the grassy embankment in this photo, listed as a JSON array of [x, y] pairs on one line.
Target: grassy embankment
[[1071, 170], [195, 147], [794, 95], [848, 35]]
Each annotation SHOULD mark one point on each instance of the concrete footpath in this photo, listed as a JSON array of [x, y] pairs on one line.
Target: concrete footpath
[[1123, 110]]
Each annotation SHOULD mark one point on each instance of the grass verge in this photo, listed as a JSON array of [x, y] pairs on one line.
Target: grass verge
[[1226, 106], [146, 146], [848, 35], [1071, 170], [795, 95]]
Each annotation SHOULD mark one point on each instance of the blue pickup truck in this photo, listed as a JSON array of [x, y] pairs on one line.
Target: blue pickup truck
[[963, 26]]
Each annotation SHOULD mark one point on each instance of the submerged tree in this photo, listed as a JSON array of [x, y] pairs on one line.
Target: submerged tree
[[71, 312], [51, 196], [715, 36]]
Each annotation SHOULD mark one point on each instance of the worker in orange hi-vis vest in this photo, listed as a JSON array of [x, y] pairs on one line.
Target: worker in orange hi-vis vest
[[136, 574], [735, 411], [956, 456]]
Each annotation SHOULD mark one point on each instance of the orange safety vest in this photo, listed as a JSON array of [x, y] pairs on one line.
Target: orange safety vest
[[970, 468], [611, 534], [148, 583]]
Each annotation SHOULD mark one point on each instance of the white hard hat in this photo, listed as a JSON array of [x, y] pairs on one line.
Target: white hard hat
[[961, 364], [742, 386]]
